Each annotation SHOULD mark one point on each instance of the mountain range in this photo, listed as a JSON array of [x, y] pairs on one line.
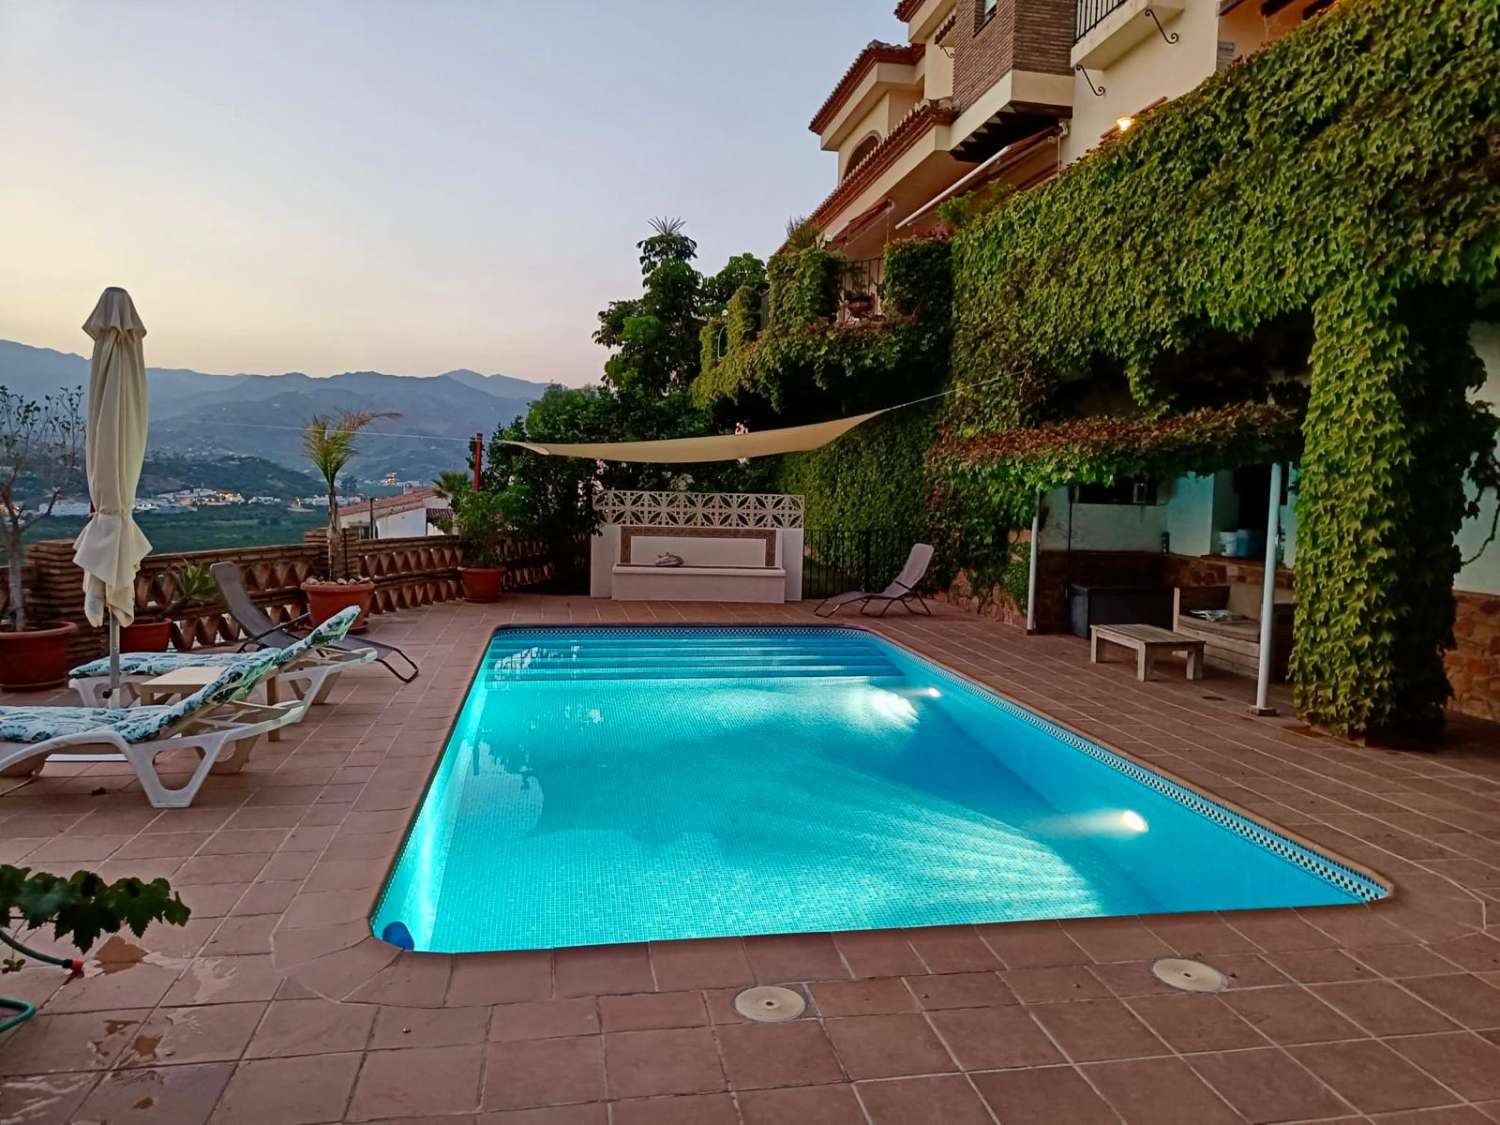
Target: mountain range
[[203, 416]]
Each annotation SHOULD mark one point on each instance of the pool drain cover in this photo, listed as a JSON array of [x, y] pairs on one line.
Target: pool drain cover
[[1190, 976], [769, 1004]]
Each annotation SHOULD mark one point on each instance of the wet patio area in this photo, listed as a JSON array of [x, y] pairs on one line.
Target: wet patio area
[[275, 1006]]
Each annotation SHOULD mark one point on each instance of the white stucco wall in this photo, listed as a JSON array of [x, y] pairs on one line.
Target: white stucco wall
[[402, 524]]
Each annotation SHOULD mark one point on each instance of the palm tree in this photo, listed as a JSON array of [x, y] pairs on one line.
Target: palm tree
[[330, 445]]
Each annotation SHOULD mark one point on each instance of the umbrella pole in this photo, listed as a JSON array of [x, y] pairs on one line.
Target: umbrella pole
[[114, 657], [1268, 601]]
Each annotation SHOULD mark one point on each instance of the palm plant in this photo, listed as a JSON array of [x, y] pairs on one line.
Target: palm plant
[[330, 444]]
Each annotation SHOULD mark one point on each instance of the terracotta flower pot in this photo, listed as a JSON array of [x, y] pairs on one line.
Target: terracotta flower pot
[[482, 583], [35, 659], [145, 636], [324, 599]]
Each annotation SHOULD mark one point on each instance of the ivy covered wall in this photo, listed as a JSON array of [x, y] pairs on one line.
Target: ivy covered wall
[[1350, 174]]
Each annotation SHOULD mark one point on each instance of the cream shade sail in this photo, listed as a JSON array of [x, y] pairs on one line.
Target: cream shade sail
[[690, 451], [110, 548]]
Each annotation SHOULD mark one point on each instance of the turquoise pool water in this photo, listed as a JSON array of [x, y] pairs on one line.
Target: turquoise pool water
[[630, 784]]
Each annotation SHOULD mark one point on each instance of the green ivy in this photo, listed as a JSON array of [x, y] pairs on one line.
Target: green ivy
[[1350, 171], [873, 477], [742, 315]]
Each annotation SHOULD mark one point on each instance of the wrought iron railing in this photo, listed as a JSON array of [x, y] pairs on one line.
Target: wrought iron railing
[[861, 289], [836, 559], [1089, 14]]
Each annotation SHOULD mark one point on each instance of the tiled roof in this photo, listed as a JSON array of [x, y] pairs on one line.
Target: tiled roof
[[906, 9], [875, 52], [923, 116]]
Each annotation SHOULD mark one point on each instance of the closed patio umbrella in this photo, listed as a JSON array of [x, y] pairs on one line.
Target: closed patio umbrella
[[110, 547]]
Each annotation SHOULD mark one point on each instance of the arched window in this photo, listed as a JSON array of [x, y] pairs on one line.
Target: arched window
[[862, 150]]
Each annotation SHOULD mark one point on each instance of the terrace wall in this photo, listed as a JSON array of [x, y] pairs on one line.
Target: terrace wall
[[408, 573]]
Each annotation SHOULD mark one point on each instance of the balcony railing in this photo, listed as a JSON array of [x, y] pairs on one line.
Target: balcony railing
[[861, 288], [1089, 14]]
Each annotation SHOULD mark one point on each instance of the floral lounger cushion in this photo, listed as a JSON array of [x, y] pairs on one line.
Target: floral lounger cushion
[[141, 724], [160, 663]]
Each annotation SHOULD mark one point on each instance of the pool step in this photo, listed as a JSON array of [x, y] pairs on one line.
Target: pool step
[[683, 670]]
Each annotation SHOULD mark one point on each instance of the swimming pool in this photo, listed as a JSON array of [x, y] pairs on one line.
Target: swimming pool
[[628, 784]]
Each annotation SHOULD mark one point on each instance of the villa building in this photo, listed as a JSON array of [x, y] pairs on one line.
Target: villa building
[[1010, 90], [396, 517]]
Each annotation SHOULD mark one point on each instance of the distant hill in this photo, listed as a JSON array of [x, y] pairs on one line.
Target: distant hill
[[252, 476], [202, 417]]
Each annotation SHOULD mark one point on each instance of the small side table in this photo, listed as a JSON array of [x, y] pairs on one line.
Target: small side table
[[184, 681]]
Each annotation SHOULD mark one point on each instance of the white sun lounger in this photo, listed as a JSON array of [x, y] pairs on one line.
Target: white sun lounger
[[216, 722]]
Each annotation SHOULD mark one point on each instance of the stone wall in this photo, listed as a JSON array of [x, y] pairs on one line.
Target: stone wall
[[1474, 664]]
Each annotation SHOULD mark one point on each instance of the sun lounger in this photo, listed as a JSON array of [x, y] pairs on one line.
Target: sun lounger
[[310, 676], [217, 722], [902, 590], [262, 632]]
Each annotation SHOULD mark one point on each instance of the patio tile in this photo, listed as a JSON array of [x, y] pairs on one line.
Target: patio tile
[[1371, 1076], [707, 963], [500, 978], [412, 980], [1383, 1008], [1116, 939], [871, 996], [1320, 966], [1290, 1015], [1158, 1092], [543, 1019], [648, 1010], [300, 1091], [1025, 945], [225, 980], [786, 1054], [596, 1113], [544, 1072], [1097, 1029], [960, 990], [1462, 997], [940, 1100], [58, 1044], [1405, 961], [888, 1046], [877, 953], [1053, 985], [429, 1027], [1042, 1096], [1266, 1085], [45, 1099], [182, 1095], [596, 970], [794, 957], [426, 1080], [193, 1035], [1195, 1023], [141, 985], [642, 1064], [305, 1027], [1463, 1062], [989, 1038], [952, 949], [804, 1105], [683, 1109]]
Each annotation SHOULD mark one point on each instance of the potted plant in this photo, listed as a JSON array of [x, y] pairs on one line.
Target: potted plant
[[330, 445], [190, 584], [41, 454], [481, 520], [859, 302]]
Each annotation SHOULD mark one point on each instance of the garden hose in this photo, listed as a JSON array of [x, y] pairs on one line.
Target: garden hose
[[24, 1010]]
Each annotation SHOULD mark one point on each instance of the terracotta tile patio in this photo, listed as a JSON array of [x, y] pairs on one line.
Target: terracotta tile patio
[[275, 1007]]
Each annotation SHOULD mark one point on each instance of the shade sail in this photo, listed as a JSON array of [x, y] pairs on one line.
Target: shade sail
[[696, 450], [110, 548]]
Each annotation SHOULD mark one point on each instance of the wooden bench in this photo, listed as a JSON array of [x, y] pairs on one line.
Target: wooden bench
[[1148, 641]]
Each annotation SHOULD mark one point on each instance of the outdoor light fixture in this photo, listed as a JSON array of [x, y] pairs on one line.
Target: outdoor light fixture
[[1123, 124]]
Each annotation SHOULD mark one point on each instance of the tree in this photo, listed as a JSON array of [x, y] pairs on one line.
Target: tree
[[330, 444], [742, 269], [41, 453]]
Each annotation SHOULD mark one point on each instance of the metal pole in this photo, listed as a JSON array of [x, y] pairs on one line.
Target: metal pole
[[114, 656], [1268, 599], [1036, 535], [478, 460]]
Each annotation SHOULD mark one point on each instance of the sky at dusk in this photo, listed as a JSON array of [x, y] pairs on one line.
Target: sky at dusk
[[406, 187]]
